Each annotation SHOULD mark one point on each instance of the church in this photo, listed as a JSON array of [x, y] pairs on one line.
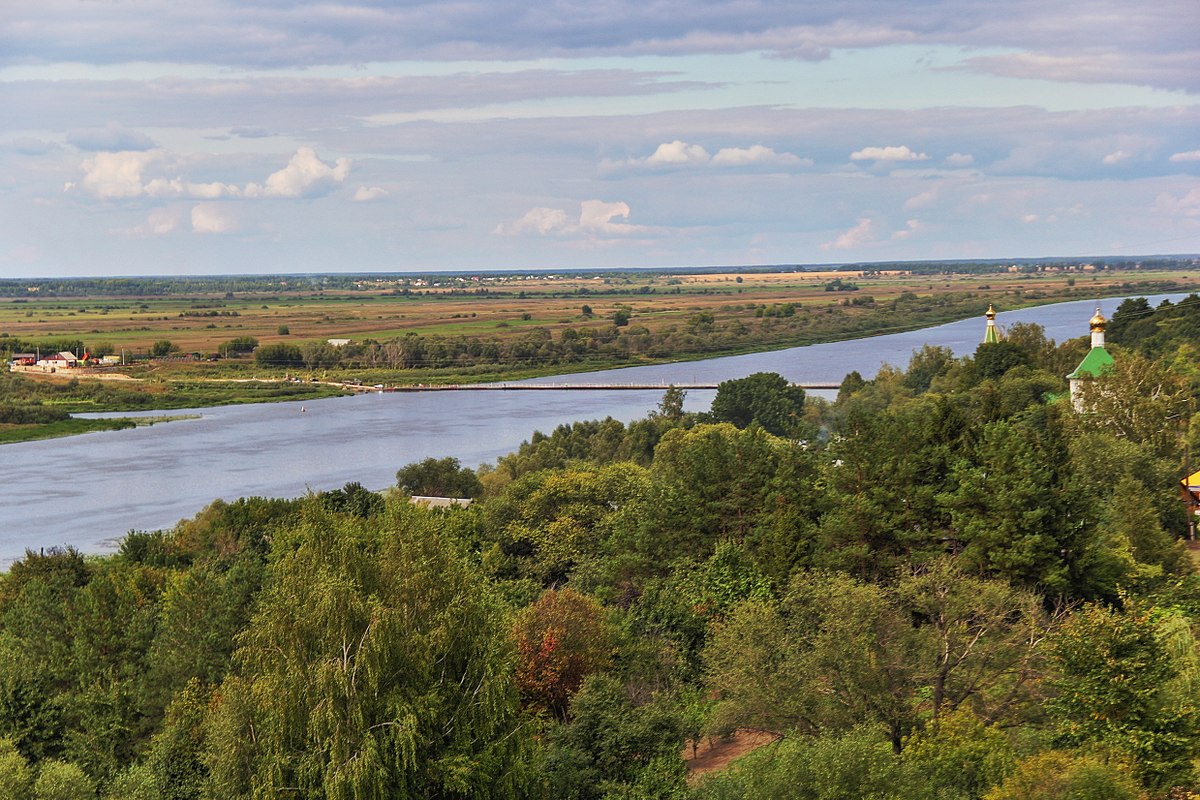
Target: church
[[1094, 363]]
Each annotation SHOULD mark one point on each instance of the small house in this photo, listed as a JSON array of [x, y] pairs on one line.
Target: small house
[[63, 360]]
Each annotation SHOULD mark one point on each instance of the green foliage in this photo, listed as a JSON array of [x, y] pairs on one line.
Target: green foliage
[[16, 777], [764, 397], [613, 740], [163, 347], [279, 355], [957, 757], [858, 764], [439, 477], [1114, 682], [995, 359], [1064, 775], [59, 780], [378, 665]]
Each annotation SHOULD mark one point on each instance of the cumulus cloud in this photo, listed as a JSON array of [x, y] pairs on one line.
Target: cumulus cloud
[[111, 176], [959, 160], [365, 194], [596, 218], [161, 222], [681, 154], [678, 152], [211, 218], [1190, 155], [1187, 205], [113, 137], [304, 176], [757, 154], [859, 234], [1116, 157], [910, 227], [889, 153]]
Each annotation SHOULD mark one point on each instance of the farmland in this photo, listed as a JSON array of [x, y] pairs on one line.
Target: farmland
[[755, 309]]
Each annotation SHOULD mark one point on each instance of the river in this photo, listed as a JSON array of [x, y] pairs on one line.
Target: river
[[88, 491]]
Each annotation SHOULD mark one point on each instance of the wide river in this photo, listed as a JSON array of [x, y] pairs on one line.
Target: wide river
[[88, 491]]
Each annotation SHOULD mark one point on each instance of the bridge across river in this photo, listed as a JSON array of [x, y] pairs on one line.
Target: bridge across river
[[567, 387]]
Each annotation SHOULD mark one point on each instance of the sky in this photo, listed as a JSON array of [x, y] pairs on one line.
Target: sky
[[158, 137]]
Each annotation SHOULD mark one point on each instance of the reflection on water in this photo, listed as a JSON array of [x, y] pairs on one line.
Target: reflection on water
[[89, 490]]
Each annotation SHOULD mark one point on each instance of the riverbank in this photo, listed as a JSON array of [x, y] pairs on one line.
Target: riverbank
[[149, 478]]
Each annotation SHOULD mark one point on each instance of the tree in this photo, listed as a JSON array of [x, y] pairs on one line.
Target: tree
[[956, 757], [1013, 514], [621, 317], [16, 778], [996, 358], [438, 477], [162, 347], [379, 665], [561, 639], [59, 780], [279, 355], [1063, 775], [237, 346], [764, 397], [671, 405], [1118, 682], [833, 654]]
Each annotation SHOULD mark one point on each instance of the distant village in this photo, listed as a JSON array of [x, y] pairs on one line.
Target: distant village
[[64, 360]]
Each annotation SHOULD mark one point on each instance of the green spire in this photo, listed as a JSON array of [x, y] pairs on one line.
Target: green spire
[[992, 336]]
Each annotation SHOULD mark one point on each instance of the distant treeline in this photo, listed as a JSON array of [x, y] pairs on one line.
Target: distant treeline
[[169, 285]]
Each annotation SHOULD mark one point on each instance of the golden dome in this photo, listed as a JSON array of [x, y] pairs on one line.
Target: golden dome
[[991, 312], [1098, 321]]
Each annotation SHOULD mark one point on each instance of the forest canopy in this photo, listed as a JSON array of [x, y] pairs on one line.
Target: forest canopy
[[948, 583]]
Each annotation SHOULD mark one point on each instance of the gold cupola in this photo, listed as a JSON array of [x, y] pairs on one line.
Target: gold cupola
[[1098, 321]]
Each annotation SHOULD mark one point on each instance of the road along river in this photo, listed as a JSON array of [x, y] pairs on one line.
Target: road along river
[[89, 491]]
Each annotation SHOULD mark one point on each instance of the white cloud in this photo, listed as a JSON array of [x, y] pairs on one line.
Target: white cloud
[[857, 235], [922, 200], [210, 218], [365, 194], [161, 222], [536, 220], [1116, 157], [1029, 219], [678, 152], [889, 153], [1190, 155], [757, 154], [960, 160], [910, 227], [304, 176], [1187, 205], [595, 218], [112, 176]]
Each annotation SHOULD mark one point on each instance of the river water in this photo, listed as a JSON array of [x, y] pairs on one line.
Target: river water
[[90, 490]]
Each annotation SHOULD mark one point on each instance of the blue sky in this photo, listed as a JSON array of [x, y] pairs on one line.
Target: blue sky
[[157, 137]]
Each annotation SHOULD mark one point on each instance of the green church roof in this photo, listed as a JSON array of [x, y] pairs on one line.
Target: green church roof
[[1094, 363]]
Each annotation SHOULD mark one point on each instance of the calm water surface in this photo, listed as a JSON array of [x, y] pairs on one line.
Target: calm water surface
[[88, 491]]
